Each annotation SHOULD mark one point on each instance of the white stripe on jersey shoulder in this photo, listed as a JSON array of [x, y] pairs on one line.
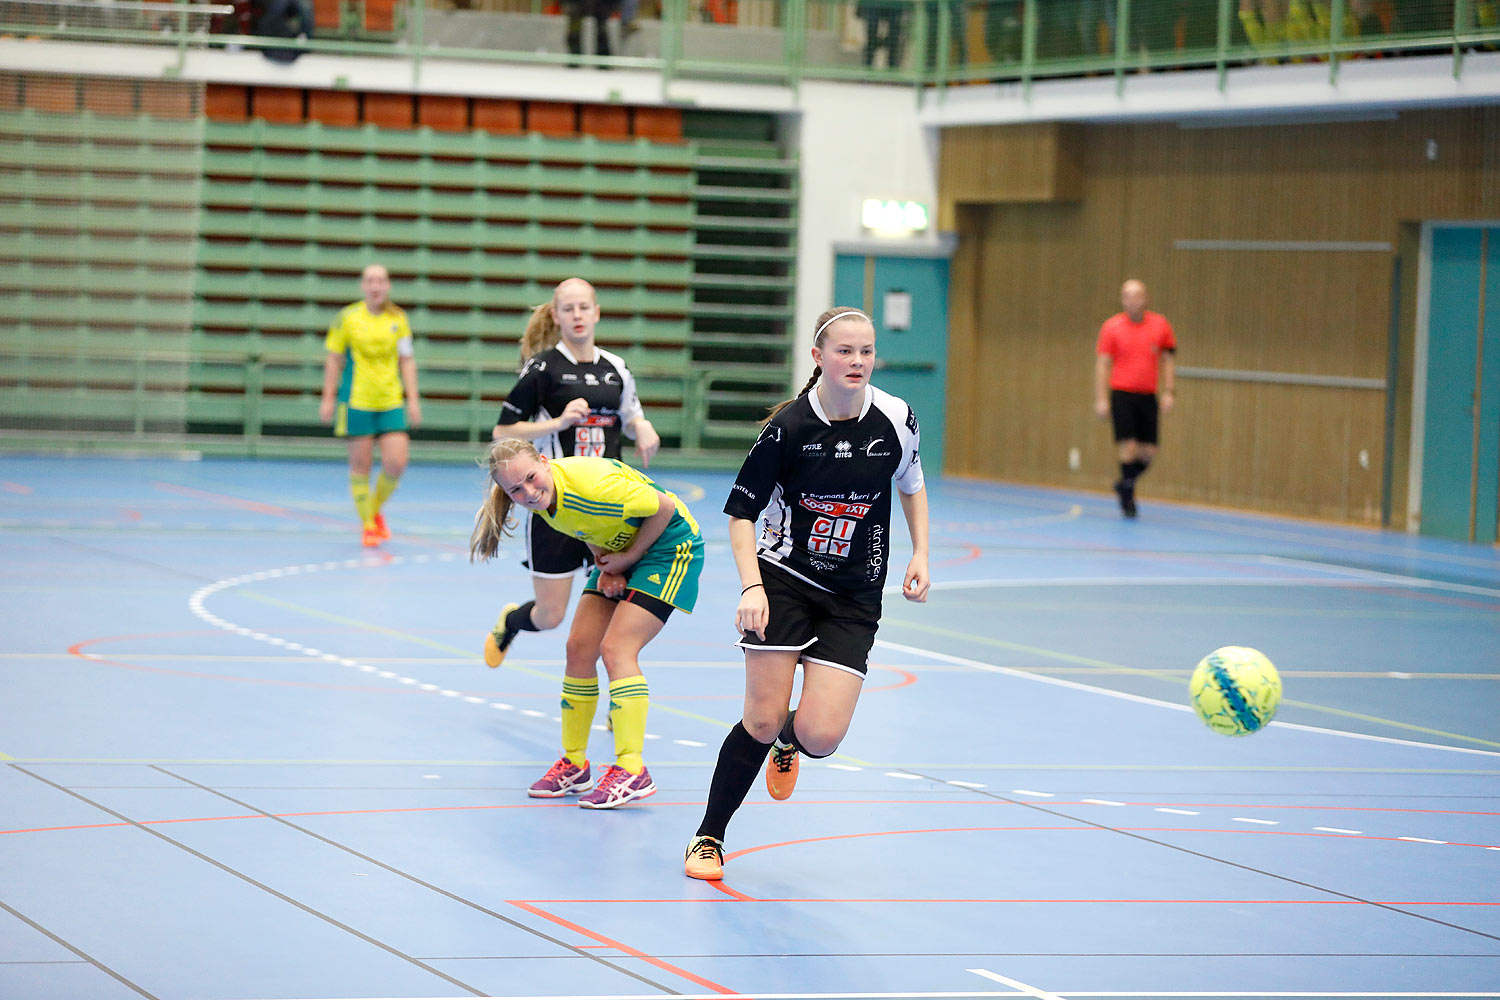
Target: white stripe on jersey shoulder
[[817, 404], [609, 357], [894, 407]]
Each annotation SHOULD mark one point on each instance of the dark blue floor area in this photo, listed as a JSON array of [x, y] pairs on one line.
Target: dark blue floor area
[[243, 757]]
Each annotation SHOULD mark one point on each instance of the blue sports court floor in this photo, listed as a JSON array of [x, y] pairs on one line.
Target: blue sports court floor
[[240, 757]]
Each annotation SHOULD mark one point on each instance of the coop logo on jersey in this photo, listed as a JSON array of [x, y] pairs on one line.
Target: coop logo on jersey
[[834, 526], [836, 508], [843, 450]]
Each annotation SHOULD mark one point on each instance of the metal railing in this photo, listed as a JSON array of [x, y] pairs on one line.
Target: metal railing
[[917, 43]]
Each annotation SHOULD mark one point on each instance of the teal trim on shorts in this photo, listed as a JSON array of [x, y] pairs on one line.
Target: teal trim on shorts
[[670, 568], [370, 423]]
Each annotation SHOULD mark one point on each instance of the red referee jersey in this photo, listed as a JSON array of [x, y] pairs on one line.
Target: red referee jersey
[[1135, 349]]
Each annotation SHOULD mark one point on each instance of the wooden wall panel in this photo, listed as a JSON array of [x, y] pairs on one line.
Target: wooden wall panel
[[1036, 280]]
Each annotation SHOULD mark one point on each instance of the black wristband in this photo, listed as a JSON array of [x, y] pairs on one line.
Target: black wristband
[[748, 589]]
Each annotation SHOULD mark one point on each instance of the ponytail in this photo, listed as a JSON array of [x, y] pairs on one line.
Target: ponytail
[[493, 520], [817, 374], [542, 332], [827, 319]]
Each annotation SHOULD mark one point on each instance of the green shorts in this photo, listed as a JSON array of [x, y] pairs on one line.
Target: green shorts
[[670, 568], [368, 423]]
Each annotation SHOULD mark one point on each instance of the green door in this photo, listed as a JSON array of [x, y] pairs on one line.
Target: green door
[[907, 297], [1461, 431]]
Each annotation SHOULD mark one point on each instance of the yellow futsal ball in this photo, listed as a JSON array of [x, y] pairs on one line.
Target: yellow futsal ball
[[1235, 690]]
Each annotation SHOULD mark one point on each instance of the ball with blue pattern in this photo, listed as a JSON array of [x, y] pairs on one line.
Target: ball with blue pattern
[[1235, 690]]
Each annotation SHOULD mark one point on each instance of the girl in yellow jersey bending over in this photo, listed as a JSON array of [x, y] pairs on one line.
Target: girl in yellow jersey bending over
[[369, 362], [648, 554]]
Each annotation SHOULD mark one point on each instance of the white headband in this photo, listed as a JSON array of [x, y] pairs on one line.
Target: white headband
[[835, 319]]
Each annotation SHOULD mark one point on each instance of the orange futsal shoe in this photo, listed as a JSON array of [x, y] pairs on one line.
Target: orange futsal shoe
[[381, 529], [372, 537], [781, 772], [705, 859]]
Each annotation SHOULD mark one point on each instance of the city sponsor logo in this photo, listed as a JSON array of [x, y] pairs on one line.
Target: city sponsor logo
[[746, 491], [836, 508], [831, 536], [610, 378], [870, 451], [598, 420]]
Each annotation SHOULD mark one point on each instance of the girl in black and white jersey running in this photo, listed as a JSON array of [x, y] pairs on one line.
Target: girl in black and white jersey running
[[572, 398], [819, 479]]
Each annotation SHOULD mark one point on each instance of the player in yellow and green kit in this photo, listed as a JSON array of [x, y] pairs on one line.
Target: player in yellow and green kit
[[370, 394], [648, 554]]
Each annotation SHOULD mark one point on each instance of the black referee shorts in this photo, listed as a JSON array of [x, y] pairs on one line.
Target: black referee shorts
[[1134, 415], [549, 552], [831, 629]]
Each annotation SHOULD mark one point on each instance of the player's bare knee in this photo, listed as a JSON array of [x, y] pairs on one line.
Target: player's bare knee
[[819, 743], [762, 729], [546, 618]]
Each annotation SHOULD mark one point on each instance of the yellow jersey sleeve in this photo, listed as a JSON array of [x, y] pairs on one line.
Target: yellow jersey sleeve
[[337, 340], [601, 501]]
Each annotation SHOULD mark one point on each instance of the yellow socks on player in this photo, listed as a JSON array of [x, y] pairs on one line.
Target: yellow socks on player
[[579, 698], [628, 703], [359, 487], [384, 487]]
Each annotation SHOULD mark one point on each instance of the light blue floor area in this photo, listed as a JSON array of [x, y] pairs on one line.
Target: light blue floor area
[[242, 757]]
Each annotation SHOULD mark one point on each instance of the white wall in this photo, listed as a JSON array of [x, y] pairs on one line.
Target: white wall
[[854, 142]]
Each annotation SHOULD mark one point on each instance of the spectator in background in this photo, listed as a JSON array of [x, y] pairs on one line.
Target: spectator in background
[[885, 24], [957, 31], [600, 11]]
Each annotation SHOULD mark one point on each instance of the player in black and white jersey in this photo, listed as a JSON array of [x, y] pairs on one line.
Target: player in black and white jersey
[[819, 479], [572, 398]]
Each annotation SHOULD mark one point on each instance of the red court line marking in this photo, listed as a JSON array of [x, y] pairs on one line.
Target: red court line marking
[[733, 893], [1076, 829], [633, 952], [295, 815], [1259, 805], [987, 899], [969, 556], [907, 679], [20, 489], [241, 504]]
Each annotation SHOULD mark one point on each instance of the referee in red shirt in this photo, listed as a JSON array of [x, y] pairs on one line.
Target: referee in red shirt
[[1134, 354]]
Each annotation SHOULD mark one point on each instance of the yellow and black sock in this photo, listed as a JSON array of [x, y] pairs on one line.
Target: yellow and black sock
[[579, 699], [384, 487], [629, 701], [359, 488]]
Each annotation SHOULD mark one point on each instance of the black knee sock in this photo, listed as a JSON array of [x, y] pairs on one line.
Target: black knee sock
[[788, 735], [1131, 471], [740, 760], [519, 620], [788, 738]]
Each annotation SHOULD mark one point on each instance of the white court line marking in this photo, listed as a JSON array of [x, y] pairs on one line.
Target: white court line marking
[[964, 661], [1334, 829], [689, 743], [968, 784], [903, 774], [1422, 840], [843, 767], [1176, 812], [1251, 819], [1027, 791], [1014, 984], [1102, 802]]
